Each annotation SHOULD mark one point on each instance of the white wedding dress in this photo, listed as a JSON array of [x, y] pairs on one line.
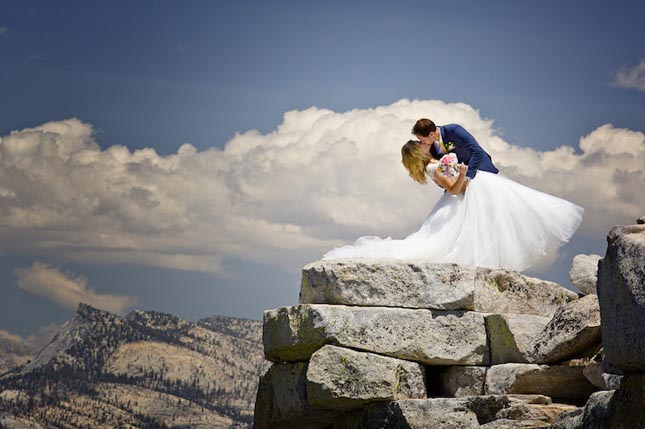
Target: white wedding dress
[[497, 223]]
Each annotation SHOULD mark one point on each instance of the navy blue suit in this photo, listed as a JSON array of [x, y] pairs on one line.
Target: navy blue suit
[[466, 148]]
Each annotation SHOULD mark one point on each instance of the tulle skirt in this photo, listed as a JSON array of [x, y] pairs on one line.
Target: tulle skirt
[[497, 223]]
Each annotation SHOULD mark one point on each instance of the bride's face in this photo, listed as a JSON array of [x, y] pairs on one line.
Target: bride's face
[[425, 142]]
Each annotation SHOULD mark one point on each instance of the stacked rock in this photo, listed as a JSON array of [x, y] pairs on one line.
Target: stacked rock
[[621, 292], [400, 344]]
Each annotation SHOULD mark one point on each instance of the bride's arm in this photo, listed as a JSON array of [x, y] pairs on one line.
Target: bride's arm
[[455, 187]]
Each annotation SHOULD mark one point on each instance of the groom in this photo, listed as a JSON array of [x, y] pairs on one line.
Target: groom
[[453, 138]]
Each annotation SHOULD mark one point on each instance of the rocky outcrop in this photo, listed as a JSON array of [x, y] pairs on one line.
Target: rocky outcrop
[[620, 365], [401, 344], [621, 290], [584, 273]]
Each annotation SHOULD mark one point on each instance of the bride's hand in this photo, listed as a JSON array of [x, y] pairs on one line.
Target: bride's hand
[[463, 168]]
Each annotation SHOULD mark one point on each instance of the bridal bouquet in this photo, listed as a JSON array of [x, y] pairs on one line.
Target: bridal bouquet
[[448, 165]]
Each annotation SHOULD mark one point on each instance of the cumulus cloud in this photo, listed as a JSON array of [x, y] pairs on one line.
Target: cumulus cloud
[[632, 77], [319, 180], [66, 290]]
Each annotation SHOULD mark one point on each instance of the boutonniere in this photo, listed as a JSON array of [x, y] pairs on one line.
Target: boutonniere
[[449, 146]]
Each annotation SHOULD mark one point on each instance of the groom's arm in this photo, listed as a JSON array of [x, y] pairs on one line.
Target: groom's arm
[[476, 151]]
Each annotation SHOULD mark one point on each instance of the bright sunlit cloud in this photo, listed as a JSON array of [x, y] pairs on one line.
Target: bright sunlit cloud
[[68, 291], [319, 180]]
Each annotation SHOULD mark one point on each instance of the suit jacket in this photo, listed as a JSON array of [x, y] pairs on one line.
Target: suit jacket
[[466, 148]]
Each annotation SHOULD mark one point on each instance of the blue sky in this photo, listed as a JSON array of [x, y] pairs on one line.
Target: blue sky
[[158, 74]]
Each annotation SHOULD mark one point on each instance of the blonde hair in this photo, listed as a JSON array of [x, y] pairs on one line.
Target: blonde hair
[[415, 160]]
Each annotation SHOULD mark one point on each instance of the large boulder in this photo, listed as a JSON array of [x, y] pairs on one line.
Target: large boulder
[[573, 332], [621, 291], [584, 273], [558, 381], [430, 337], [511, 336], [419, 284], [341, 379]]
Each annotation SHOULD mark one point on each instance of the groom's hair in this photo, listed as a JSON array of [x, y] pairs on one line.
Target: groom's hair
[[423, 127]]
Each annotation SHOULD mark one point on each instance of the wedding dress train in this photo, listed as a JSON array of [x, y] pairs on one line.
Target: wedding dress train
[[497, 223]]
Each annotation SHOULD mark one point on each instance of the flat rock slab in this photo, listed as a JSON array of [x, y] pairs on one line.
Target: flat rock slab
[[342, 379], [410, 284], [572, 333], [511, 336], [431, 337], [621, 291], [557, 381]]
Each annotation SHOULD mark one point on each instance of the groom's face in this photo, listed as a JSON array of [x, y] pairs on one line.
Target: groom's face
[[426, 141]]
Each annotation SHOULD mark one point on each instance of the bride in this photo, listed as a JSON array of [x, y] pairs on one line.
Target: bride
[[489, 221]]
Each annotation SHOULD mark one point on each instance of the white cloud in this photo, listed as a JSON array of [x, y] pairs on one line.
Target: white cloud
[[632, 77], [68, 291], [319, 180]]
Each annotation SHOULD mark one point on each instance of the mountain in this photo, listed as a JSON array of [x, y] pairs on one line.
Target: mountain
[[145, 370], [14, 352]]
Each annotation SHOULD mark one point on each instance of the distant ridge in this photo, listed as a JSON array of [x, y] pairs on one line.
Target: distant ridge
[[148, 370]]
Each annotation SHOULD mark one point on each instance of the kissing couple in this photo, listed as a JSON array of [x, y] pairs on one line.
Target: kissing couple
[[483, 218]]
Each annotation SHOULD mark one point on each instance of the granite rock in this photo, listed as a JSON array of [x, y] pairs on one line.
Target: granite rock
[[458, 381], [511, 336], [558, 381], [621, 291], [424, 336], [584, 273], [341, 379], [573, 332], [282, 402], [420, 284]]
